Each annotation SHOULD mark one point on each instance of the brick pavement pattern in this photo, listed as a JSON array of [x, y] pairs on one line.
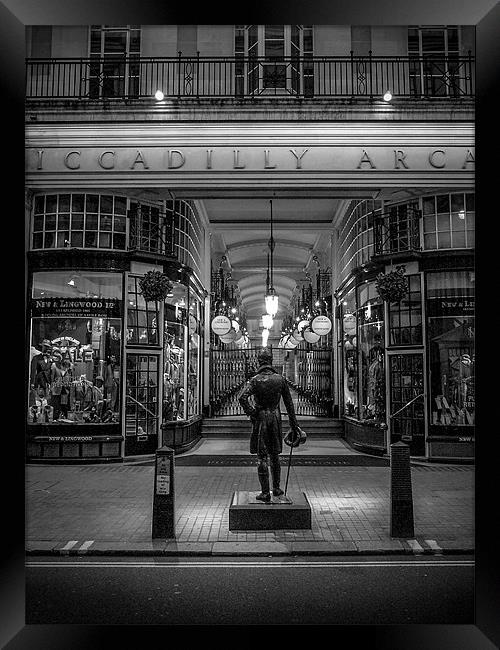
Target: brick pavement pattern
[[113, 504]]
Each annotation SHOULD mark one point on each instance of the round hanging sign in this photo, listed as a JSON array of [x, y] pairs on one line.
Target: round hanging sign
[[310, 336], [221, 325], [235, 325], [349, 323], [229, 337], [297, 335], [301, 325], [239, 335], [321, 325]]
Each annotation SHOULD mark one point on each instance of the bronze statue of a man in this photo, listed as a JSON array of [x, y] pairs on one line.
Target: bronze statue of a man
[[267, 388]]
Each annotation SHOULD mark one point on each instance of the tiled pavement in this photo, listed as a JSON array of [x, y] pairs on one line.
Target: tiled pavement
[[108, 509]]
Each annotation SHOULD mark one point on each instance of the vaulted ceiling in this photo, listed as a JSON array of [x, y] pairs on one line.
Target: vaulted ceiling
[[240, 231]]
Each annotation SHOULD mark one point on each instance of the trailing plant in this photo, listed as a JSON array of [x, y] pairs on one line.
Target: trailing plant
[[155, 285], [392, 286]]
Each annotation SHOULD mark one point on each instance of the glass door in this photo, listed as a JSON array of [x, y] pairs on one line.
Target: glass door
[[407, 400], [141, 403]]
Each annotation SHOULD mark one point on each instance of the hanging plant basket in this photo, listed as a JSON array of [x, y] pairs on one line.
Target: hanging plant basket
[[392, 286], [155, 285]]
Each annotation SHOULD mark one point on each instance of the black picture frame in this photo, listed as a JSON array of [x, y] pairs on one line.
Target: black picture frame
[[484, 14]]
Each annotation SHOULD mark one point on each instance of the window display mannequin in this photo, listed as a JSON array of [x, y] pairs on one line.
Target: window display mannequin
[[60, 383], [40, 368], [462, 376], [112, 383], [82, 394]]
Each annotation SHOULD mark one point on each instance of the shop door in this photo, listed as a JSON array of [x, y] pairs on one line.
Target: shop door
[[407, 400], [141, 404]]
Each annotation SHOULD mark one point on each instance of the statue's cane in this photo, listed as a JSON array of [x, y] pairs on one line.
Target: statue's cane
[[288, 470]]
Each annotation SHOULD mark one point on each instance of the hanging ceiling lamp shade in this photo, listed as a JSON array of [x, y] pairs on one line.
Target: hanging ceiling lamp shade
[[267, 321], [271, 295]]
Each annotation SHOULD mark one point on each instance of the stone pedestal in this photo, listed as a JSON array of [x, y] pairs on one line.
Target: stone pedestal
[[286, 512]]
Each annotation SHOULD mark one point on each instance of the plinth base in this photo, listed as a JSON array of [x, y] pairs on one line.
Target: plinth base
[[290, 512]]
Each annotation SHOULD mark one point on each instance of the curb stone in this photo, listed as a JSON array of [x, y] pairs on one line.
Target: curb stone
[[216, 549]]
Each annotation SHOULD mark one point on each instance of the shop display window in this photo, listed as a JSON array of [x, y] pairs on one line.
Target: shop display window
[[194, 331], [350, 354], [142, 316], [75, 354], [451, 328], [405, 317], [79, 221], [174, 355], [371, 353]]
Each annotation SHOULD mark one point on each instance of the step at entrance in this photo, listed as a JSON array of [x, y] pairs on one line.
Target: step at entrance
[[240, 427]]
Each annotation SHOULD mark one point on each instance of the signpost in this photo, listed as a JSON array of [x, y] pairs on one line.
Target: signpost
[[163, 525]]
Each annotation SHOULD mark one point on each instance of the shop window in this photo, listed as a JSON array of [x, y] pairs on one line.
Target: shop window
[[434, 61], [356, 240], [371, 353], [274, 58], [174, 355], [114, 61], [142, 316], [405, 317], [189, 234], [451, 328], [448, 221], [75, 354], [194, 331], [350, 354], [79, 221]]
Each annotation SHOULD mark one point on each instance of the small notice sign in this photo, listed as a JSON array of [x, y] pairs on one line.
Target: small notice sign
[[163, 484]]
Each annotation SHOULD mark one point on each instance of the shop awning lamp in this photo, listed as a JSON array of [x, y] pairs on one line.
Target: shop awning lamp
[[387, 96], [159, 95]]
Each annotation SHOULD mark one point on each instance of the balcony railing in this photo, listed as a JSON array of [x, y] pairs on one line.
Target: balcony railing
[[397, 231], [350, 77]]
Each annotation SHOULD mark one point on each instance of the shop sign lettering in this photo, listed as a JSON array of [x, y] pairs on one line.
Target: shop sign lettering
[[76, 307], [451, 306], [188, 159], [70, 438]]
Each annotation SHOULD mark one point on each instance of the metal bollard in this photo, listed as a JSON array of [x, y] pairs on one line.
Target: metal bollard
[[163, 524], [401, 492]]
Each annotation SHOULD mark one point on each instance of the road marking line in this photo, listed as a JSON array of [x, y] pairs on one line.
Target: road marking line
[[248, 565], [69, 545], [434, 546], [417, 549], [85, 546]]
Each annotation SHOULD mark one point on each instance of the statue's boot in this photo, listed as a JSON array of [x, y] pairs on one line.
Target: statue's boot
[[276, 474], [263, 473]]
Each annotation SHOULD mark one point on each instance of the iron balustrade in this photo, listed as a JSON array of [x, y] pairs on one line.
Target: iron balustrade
[[397, 231], [349, 77]]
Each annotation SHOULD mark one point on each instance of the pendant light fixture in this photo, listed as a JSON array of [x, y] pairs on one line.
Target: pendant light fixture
[[271, 295]]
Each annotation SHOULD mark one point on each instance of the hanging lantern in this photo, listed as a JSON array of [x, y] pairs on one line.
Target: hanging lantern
[[267, 321]]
